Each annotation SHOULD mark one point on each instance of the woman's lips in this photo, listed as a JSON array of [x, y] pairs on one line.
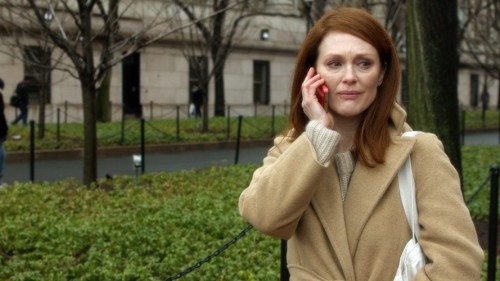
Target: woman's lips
[[349, 94]]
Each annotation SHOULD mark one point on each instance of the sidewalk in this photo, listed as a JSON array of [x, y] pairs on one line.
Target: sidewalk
[[61, 164]]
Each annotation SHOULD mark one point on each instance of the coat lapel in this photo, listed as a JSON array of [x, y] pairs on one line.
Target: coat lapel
[[368, 186], [328, 206]]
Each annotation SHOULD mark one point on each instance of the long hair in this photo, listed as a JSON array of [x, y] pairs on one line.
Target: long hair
[[372, 136]]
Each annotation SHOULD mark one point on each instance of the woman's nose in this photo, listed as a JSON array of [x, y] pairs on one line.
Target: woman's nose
[[349, 75]]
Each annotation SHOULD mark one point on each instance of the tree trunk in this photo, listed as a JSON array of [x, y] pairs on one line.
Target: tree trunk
[[433, 71], [103, 101], [41, 109], [204, 88], [90, 135], [220, 103]]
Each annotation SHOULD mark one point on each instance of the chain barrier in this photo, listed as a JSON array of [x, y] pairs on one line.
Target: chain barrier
[[49, 113], [159, 131], [72, 117], [211, 256], [48, 130], [252, 126], [168, 113], [235, 111], [172, 112], [119, 133], [483, 184]]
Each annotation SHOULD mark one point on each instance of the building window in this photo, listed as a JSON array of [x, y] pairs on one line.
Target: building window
[[261, 82], [198, 71], [37, 66], [474, 90]]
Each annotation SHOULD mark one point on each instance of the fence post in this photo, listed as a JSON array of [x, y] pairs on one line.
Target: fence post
[[462, 123], [177, 118], [285, 275], [58, 124], [492, 233], [228, 129], [65, 111], [143, 151], [151, 110], [123, 125], [32, 150], [272, 121], [238, 137]]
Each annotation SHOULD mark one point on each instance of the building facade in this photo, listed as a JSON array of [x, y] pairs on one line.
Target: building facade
[[155, 81]]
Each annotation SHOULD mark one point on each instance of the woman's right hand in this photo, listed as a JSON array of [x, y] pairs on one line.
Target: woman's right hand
[[311, 88]]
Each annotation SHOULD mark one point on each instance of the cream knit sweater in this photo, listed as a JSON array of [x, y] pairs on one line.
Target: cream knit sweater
[[325, 142]]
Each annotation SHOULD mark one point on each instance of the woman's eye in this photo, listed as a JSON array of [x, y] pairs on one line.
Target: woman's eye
[[364, 64], [334, 64]]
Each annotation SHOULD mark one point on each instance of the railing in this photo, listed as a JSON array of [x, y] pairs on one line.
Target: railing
[[73, 112]]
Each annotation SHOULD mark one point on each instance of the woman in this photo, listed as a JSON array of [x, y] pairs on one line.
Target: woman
[[330, 185]]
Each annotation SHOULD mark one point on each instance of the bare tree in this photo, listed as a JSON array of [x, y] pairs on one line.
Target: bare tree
[[215, 38], [479, 38], [212, 39], [37, 54], [83, 28]]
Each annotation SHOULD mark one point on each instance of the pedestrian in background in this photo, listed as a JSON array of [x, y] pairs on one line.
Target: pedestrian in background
[[3, 133], [197, 99], [22, 93], [330, 183]]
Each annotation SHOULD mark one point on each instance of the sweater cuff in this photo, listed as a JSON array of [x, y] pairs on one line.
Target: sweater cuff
[[324, 140]]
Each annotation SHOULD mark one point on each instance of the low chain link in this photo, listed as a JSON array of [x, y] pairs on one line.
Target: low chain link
[[211, 256]]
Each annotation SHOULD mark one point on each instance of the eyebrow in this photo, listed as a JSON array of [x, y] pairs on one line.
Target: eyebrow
[[330, 55]]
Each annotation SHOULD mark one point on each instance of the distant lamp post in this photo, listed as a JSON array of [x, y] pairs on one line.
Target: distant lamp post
[[48, 16], [137, 159], [308, 10], [264, 34]]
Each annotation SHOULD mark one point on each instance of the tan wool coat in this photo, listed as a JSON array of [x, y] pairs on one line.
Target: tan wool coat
[[292, 196]]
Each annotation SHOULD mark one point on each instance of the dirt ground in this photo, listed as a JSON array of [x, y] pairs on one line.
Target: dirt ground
[[482, 232]]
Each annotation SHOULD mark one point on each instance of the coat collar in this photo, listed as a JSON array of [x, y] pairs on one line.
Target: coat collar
[[367, 187], [328, 207]]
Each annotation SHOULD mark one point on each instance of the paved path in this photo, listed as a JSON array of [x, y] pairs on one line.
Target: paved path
[[53, 170]]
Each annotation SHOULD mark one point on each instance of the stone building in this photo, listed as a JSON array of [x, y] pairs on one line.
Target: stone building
[[155, 81]]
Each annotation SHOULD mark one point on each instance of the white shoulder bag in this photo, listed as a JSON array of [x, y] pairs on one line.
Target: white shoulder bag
[[412, 258]]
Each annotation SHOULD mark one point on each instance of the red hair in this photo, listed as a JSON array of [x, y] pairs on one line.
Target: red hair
[[372, 136]]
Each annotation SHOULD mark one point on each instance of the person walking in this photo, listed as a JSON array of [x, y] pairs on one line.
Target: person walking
[[329, 185], [4, 128], [197, 99], [22, 93]]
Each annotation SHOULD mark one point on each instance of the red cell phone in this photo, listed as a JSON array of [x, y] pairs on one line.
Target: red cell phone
[[323, 96]]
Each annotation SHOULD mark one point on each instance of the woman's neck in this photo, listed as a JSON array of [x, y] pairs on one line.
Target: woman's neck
[[347, 128]]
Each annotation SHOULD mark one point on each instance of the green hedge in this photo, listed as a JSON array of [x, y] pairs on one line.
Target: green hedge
[[168, 222], [121, 231]]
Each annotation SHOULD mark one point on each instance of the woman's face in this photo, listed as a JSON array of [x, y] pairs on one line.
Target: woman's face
[[352, 70]]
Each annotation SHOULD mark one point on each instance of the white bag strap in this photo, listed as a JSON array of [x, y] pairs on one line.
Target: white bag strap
[[407, 191]]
